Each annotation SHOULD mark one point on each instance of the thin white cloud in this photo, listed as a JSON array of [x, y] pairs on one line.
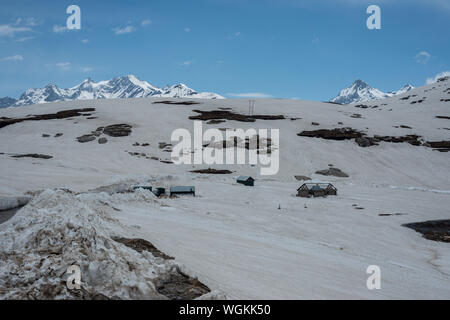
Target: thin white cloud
[[315, 39], [258, 95], [16, 57], [125, 30], [10, 31], [87, 69], [23, 39], [186, 29], [186, 63], [234, 35], [59, 29], [32, 22], [85, 40], [438, 76], [422, 57], [146, 22], [61, 65]]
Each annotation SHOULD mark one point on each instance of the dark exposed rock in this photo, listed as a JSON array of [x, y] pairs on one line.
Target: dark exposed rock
[[212, 171], [178, 286], [332, 134], [184, 103], [436, 230], [32, 155], [443, 146], [86, 138], [50, 116], [142, 245], [44, 135], [411, 139], [102, 140], [215, 121], [162, 145], [58, 135], [302, 178], [443, 117], [333, 172], [315, 123], [117, 130], [365, 142], [228, 115]]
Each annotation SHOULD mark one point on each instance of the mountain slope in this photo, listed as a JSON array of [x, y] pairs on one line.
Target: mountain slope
[[118, 88], [258, 242], [6, 102], [360, 91]]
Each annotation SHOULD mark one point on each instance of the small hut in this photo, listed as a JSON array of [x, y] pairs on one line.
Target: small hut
[[149, 188], [182, 190], [159, 191], [246, 180], [303, 191], [331, 190], [316, 189]]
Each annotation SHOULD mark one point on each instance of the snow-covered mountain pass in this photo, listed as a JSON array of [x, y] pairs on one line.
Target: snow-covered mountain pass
[[258, 242]]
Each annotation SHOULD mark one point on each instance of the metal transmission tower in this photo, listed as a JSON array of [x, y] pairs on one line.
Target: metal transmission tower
[[251, 107]]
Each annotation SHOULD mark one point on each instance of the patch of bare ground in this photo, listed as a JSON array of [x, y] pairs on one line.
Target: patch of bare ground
[[365, 141], [32, 155], [443, 117], [332, 134], [140, 245], [436, 230], [442, 146], [178, 286], [175, 285], [212, 171], [229, 115], [49, 116], [182, 103]]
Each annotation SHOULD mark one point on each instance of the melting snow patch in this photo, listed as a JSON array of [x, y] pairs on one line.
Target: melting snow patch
[[58, 229], [421, 189]]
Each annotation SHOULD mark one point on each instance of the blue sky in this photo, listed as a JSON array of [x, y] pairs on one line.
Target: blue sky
[[280, 48]]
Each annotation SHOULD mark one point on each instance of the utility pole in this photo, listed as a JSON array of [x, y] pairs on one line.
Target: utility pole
[[251, 107]]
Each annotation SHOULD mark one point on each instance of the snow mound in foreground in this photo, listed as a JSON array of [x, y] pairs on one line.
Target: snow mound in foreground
[[58, 229], [7, 203]]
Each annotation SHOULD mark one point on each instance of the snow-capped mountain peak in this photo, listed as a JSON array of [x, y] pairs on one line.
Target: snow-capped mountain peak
[[404, 89], [128, 86], [360, 91]]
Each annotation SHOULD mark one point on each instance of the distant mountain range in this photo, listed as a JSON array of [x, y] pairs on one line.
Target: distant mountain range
[[360, 91], [121, 87], [131, 87]]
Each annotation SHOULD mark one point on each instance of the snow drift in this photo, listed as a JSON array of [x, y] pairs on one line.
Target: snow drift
[[59, 229]]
